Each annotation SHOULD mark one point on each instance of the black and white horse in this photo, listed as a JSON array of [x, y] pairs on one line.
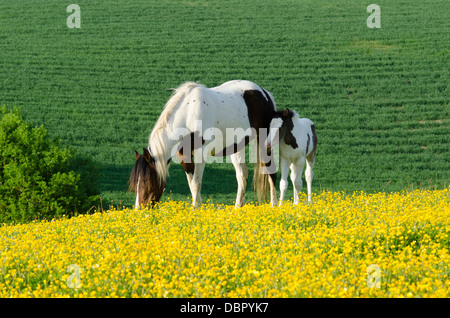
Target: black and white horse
[[298, 142], [196, 122]]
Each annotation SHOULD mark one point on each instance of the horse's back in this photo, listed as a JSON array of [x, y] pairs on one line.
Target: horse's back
[[244, 103], [237, 86], [308, 129], [306, 122]]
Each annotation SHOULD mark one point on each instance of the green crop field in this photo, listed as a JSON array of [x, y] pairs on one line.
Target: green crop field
[[379, 97]]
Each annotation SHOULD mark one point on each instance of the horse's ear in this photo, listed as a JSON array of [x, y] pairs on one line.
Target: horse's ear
[[286, 112], [148, 157], [137, 155]]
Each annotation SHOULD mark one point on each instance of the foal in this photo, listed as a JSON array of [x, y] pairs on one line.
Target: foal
[[298, 141]]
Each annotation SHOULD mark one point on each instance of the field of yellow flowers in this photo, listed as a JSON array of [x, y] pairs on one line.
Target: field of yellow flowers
[[341, 245]]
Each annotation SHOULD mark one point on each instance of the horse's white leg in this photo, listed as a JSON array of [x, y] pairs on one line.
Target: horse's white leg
[[238, 160], [284, 167], [273, 192], [270, 169], [309, 175], [189, 179], [296, 177], [189, 176], [195, 184]]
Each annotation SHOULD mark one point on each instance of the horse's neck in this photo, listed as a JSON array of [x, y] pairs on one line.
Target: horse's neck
[[165, 136], [282, 132]]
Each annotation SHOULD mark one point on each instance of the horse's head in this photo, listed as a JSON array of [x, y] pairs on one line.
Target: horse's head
[[144, 180], [281, 123]]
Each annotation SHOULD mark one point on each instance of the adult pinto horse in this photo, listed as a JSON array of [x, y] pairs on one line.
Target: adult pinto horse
[[185, 127]]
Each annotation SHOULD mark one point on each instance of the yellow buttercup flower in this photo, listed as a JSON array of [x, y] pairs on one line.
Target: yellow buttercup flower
[[341, 245]]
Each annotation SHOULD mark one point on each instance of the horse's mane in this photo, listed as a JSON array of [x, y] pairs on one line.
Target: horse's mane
[[138, 169], [177, 95], [295, 115], [161, 131], [291, 114]]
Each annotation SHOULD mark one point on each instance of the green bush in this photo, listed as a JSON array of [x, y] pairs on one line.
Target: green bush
[[39, 180]]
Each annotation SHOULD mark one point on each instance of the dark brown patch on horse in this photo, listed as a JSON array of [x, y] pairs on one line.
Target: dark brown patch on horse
[[260, 109], [186, 163], [232, 149], [260, 113], [307, 143], [285, 131], [186, 151]]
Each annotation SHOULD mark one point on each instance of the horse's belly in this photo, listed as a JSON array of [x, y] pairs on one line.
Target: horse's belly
[[291, 154]]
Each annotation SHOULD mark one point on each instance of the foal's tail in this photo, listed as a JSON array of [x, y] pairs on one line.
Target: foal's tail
[[260, 179], [311, 156]]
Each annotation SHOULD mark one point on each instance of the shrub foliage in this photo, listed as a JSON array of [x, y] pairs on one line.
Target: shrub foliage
[[38, 178]]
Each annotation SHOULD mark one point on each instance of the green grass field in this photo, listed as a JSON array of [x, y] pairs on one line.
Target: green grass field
[[379, 97]]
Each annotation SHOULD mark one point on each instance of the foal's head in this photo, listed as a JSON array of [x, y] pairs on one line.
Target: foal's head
[[281, 126], [144, 180]]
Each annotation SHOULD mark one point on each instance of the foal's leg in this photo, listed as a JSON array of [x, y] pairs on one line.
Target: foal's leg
[[296, 177], [238, 160], [283, 182], [309, 174]]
